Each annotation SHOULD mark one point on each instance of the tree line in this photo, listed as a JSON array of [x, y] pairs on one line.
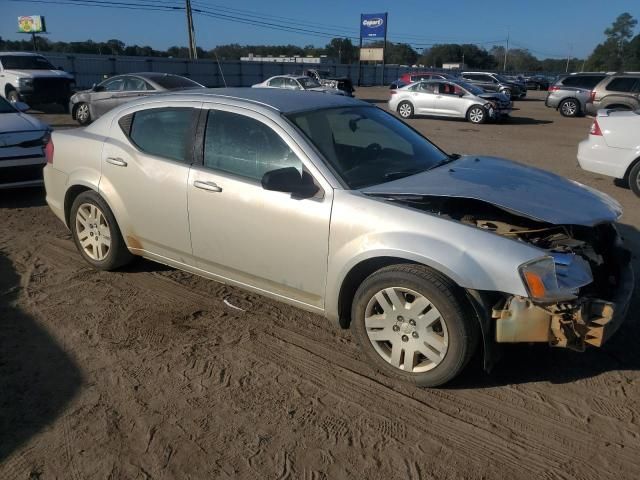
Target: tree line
[[619, 51]]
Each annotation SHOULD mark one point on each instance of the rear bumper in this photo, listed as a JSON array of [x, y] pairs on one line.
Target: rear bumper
[[595, 156]]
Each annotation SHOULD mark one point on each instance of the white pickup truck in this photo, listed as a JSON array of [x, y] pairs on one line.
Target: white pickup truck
[[31, 78]]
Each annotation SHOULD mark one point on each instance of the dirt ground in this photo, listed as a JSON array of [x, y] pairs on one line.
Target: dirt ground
[[152, 373]]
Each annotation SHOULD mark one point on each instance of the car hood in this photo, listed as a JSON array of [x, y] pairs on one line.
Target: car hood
[[19, 122], [325, 90], [494, 96], [526, 191], [42, 73]]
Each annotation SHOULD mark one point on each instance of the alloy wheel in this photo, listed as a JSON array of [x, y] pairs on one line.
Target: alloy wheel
[[569, 108], [82, 114], [93, 231], [476, 115], [406, 329], [405, 110]]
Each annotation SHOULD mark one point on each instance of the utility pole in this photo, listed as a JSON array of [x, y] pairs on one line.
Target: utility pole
[[504, 66], [193, 53], [566, 70]]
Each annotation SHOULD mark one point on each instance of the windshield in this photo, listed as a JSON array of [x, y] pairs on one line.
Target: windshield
[[469, 87], [366, 145], [307, 82], [25, 62], [171, 82], [6, 107], [502, 79]]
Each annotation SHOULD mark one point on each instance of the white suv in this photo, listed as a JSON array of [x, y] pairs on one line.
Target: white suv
[[30, 78]]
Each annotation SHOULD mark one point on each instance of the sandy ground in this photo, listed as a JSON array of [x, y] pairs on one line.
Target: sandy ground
[[148, 373]]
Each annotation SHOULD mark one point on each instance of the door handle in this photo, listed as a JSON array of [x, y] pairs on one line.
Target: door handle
[[208, 186], [117, 161]]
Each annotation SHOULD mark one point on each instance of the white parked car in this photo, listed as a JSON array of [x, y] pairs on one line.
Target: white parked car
[[613, 147], [22, 146], [297, 82], [449, 98]]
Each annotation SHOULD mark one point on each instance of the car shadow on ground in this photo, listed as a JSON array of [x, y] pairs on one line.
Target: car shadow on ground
[[374, 100], [37, 377], [524, 121], [22, 197], [539, 362]]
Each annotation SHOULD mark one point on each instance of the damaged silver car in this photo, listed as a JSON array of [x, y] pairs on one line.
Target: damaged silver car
[[335, 206]]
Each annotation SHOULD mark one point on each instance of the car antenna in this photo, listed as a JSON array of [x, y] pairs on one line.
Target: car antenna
[[220, 68]]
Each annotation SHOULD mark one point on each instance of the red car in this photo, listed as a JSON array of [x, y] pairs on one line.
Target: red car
[[411, 77]]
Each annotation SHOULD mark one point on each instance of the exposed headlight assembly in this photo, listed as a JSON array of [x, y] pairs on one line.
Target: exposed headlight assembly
[[25, 83], [555, 277]]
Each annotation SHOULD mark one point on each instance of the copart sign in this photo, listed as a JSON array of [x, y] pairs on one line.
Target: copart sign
[[373, 25]]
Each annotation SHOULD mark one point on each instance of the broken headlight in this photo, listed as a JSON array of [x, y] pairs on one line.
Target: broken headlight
[[556, 277]]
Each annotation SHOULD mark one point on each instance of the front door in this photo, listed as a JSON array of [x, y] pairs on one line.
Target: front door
[[262, 239], [424, 98]]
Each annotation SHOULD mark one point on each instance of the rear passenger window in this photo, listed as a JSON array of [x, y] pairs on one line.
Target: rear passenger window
[[588, 81], [163, 132], [624, 84], [244, 146]]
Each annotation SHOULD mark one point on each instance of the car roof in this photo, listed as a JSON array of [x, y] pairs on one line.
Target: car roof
[[288, 75], [279, 100]]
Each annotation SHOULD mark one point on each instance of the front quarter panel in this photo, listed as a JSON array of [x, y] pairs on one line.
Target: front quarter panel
[[364, 227]]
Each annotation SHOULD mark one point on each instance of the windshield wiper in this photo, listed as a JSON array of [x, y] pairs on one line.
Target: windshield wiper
[[448, 159]]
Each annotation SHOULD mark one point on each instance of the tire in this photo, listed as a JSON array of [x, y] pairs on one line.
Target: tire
[[476, 114], [13, 96], [83, 113], [99, 241], [634, 179], [440, 314], [507, 92], [405, 109], [569, 107]]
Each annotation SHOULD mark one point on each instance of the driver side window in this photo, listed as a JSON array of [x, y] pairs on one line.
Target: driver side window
[[114, 85]]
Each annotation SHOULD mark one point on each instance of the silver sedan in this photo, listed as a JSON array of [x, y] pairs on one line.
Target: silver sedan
[[449, 98], [335, 206]]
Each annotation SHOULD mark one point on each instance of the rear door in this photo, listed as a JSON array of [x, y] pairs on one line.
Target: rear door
[[145, 168], [263, 239], [621, 91]]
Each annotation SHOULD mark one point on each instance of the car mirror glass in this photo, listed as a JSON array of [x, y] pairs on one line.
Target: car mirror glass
[[289, 180]]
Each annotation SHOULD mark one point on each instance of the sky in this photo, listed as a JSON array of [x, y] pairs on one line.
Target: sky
[[547, 28]]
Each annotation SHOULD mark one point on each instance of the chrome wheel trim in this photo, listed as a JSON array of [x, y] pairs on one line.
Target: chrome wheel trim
[[82, 113], [569, 108], [476, 115], [404, 110], [93, 232], [406, 329]]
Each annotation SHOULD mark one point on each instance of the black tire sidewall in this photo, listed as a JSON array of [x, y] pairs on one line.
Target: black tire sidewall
[[14, 94], [634, 175], [462, 338], [118, 254]]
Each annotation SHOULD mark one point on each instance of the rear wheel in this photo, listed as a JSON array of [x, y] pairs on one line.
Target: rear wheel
[[414, 324], [405, 110], [569, 108], [96, 233], [477, 114]]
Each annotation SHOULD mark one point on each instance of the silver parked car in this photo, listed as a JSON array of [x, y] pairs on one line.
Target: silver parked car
[[22, 146], [449, 98], [297, 82], [570, 94], [88, 105], [335, 206]]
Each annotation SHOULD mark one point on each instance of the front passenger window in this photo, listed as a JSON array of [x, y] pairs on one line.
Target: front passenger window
[[244, 146]]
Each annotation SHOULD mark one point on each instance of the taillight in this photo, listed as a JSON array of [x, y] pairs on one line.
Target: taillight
[[553, 88], [592, 96], [595, 129], [393, 91], [48, 148]]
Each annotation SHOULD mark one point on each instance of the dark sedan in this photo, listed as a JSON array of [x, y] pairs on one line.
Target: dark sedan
[[87, 105]]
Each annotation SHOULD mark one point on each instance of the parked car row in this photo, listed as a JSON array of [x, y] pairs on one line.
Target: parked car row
[[586, 93]]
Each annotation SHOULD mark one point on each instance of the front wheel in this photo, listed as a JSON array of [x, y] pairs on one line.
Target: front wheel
[[83, 114], [477, 114], [634, 179], [96, 233], [507, 92], [414, 324], [405, 110], [13, 96]]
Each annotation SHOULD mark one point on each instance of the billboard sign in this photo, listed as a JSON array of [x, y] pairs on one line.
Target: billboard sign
[[373, 25], [31, 24], [372, 54]]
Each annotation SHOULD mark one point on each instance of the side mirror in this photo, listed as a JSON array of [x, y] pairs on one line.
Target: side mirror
[[21, 106], [461, 94], [289, 180]]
